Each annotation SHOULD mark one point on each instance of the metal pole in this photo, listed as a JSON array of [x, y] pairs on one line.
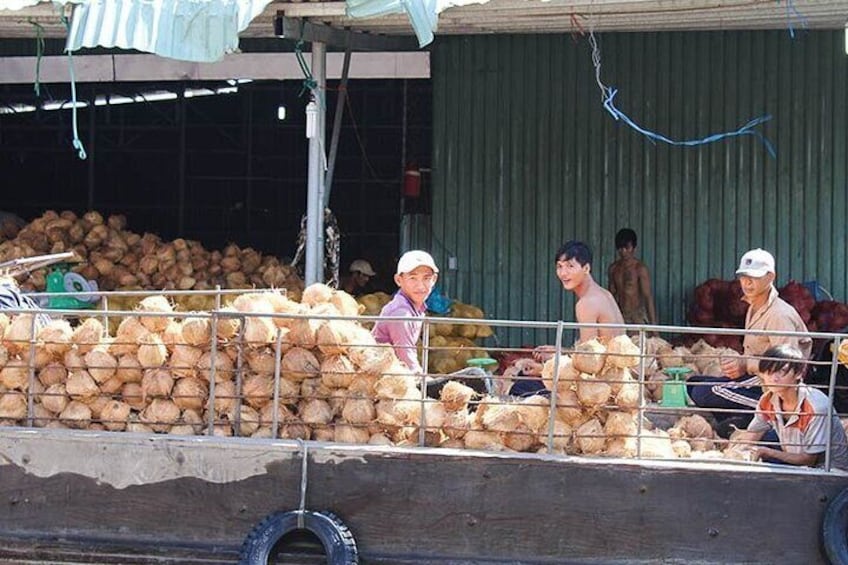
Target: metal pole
[[337, 127], [831, 390], [314, 197], [319, 71]]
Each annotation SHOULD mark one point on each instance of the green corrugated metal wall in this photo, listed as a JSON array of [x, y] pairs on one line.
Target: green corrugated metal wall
[[525, 157]]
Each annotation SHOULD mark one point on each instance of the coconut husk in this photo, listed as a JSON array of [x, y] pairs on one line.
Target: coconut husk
[[334, 336], [298, 364], [160, 415], [13, 405], [337, 371], [155, 305], [197, 331], [55, 398], [346, 433], [88, 335], [568, 374], [101, 365], [622, 352], [15, 375], [483, 440], [381, 439], [114, 415], [316, 293], [591, 392], [56, 336], [76, 415], [589, 437], [589, 357], [620, 424], [315, 411], [624, 447], [561, 437], [258, 390], [131, 394], [521, 438], [456, 423], [152, 352], [81, 386], [129, 332], [190, 393], [455, 396], [224, 369], [359, 410]]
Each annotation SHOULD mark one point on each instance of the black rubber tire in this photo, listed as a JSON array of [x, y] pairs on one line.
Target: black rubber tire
[[835, 529], [338, 542]]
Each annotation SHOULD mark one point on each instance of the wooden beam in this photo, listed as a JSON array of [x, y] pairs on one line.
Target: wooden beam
[[299, 29]]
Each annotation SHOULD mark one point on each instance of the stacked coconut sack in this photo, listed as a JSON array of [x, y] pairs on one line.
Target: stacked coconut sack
[[119, 259]]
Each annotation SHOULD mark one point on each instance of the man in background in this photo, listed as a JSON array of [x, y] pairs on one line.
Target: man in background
[[630, 282], [360, 272]]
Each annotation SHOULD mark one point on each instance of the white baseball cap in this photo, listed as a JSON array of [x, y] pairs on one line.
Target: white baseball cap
[[411, 260], [362, 266], [756, 263]]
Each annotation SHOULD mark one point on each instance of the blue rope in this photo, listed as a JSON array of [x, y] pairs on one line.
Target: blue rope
[[77, 142], [793, 13], [608, 98], [39, 55]]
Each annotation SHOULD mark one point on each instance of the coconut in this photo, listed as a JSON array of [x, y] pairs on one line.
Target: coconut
[[15, 375], [129, 369], [337, 371], [155, 305], [386, 414], [628, 394], [88, 335], [589, 437], [266, 414], [336, 398], [55, 398], [41, 416], [367, 354], [131, 394], [479, 439], [303, 332], [100, 364], [358, 410], [620, 424], [591, 392], [192, 418], [589, 357], [345, 303], [315, 411], [81, 386], [383, 439], [160, 414], [114, 415], [41, 358], [396, 386], [622, 352], [172, 335], [261, 361], [186, 430], [283, 305], [289, 392], [197, 331], [248, 421], [695, 426], [259, 331], [156, 383], [568, 375], [76, 415], [4, 355], [656, 444], [681, 448], [334, 336], [346, 433], [227, 327], [19, 333], [562, 436], [569, 409], [190, 393], [455, 396], [152, 352], [672, 357], [621, 447], [225, 397], [258, 390], [521, 438], [184, 359], [501, 417], [56, 337], [364, 384], [224, 370], [129, 332], [316, 293], [72, 360], [13, 405], [456, 423], [298, 364]]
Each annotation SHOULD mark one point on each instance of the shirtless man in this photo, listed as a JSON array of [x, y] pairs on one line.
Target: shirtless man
[[630, 282], [595, 304]]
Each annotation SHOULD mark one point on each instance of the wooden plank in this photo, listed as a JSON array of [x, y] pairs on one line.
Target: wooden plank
[[407, 505]]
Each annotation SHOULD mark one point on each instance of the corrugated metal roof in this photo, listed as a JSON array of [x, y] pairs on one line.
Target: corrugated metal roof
[[525, 157], [527, 16]]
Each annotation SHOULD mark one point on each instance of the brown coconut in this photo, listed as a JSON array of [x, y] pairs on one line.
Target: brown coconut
[[456, 423], [622, 352], [334, 336], [160, 415], [129, 332], [53, 373], [589, 357], [156, 383], [298, 364], [81, 386], [225, 397], [337, 371], [76, 415], [455, 396], [129, 369], [359, 410], [316, 293], [315, 411], [190, 393], [155, 305], [591, 392], [88, 335], [589, 437], [114, 415], [261, 360], [197, 331], [184, 359], [224, 369], [56, 337], [347, 433], [13, 405], [55, 398], [152, 352], [101, 365], [258, 389], [15, 375], [131, 394]]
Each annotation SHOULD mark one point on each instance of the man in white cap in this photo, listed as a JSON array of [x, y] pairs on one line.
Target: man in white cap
[[739, 387], [360, 272], [416, 276]]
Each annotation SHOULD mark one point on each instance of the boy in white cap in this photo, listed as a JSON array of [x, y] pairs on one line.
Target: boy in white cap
[[416, 276], [739, 387]]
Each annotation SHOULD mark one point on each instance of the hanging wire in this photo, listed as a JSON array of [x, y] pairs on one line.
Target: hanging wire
[[77, 142], [792, 13], [608, 99], [39, 54]]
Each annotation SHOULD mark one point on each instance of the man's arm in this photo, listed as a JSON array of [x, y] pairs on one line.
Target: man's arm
[[586, 312], [647, 295]]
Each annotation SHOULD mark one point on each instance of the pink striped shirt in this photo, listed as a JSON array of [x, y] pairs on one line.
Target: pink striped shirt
[[403, 335]]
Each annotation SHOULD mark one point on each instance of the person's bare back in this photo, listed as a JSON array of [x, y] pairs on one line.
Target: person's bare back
[[626, 284], [597, 306]]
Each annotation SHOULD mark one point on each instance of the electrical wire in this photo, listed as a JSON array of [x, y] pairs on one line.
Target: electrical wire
[[608, 100]]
